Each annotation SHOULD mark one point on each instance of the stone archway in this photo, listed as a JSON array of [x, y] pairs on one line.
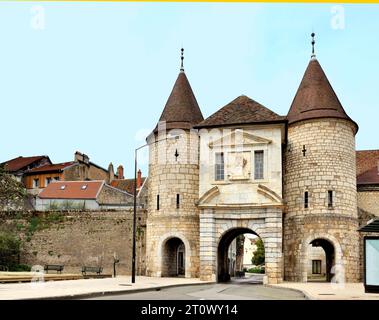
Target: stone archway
[[333, 254], [174, 256], [222, 251]]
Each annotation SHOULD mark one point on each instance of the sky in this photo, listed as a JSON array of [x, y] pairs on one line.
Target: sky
[[95, 77]]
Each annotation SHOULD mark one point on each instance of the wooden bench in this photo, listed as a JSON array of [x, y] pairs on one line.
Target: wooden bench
[[97, 270], [56, 267]]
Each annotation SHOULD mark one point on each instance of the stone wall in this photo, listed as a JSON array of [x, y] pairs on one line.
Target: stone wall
[[340, 231], [369, 201], [170, 176], [82, 171], [82, 238], [112, 196]]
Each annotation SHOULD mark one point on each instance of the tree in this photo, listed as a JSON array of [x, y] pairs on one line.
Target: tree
[[9, 249], [12, 192], [259, 254]]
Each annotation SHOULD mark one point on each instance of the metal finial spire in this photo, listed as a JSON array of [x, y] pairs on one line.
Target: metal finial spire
[[313, 46], [182, 58]]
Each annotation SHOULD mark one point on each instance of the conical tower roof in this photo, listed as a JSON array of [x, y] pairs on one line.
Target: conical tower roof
[[181, 110], [316, 98]]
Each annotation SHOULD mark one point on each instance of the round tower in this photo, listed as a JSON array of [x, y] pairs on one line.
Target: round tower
[[320, 185], [172, 235]]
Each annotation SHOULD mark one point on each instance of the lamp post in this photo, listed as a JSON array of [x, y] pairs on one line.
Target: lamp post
[[135, 203]]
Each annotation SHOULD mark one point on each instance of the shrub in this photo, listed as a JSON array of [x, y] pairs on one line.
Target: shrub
[[257, 270], [20, 267]]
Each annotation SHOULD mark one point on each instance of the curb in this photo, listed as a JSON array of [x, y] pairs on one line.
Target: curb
[[306, 294], [113, 293]]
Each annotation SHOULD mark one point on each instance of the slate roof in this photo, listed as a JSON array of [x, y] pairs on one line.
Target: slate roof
[[316, 98], [181, 110], [71, 190], [21, 162], [241, 110], [367, 167]]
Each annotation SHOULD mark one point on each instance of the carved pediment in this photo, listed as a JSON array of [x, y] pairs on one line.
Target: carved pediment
[[209, 195], [269, 194], [239, 138]]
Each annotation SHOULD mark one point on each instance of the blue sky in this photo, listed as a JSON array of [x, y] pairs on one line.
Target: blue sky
[[97, 76]]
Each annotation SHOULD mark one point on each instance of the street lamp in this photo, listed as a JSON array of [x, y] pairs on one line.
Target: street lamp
[[135, 201]]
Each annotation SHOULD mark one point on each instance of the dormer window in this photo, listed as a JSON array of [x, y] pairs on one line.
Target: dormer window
[[84, 187], [63, 187]]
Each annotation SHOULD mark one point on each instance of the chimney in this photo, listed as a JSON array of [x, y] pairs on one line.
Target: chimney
[[120, 172], [110, 173], [139, 179], [81, 157]]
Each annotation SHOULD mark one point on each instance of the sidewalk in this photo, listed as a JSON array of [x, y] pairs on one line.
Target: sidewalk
[[330, 291], [86, 287]]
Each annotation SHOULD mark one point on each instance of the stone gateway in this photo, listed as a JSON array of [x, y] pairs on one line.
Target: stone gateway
[[291, 180]]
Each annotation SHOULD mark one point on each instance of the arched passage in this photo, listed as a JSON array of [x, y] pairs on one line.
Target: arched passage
[[322, 263], [173, 258], [334, 268], [226, 239]]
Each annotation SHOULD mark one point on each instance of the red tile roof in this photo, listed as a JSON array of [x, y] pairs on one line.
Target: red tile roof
[[316, 98], [21, 162], [51, 167], [241, 110], [71, 190], [367, 167], [125, 184]]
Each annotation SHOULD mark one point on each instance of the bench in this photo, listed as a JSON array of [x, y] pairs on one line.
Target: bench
[[97, 270], [56, 267]]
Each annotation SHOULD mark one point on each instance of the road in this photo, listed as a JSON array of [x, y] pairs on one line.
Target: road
[[241, 289]]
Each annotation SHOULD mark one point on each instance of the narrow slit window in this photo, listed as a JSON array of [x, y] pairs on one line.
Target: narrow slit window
[[158, 202], [330, 198], [220, 167], [306, 200], [258, 165], [177, 201]]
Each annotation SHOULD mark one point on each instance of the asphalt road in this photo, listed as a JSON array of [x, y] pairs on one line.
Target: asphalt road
[[242, 289]]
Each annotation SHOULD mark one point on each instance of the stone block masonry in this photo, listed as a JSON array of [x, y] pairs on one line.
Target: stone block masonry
[[79, 238]]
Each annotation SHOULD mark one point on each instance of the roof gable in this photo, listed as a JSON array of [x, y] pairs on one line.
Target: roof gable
[[241, 110]]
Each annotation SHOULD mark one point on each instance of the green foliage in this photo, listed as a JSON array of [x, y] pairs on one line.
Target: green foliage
[[12, 192], [259, 254], [20, 267], [256, 270], [9, 249]]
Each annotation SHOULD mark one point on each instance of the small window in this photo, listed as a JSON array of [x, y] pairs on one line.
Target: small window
[[48, 181], [56, 178], [84, 187], [306, 200], [177, 201], [316, 266], [158, 202], [258, 165], [330, 198], [63, 187], [220, 167], [35, 183]]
